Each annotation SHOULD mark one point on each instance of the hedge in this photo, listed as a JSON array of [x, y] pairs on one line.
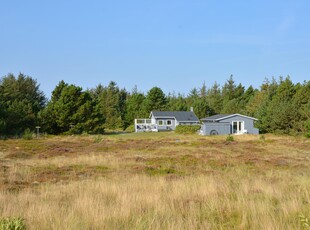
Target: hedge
[[187, 129]]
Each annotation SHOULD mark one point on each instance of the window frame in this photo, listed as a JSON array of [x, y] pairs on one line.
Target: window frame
[[240, 127]]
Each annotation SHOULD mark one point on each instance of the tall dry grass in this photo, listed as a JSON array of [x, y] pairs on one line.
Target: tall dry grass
[[156, 181], [236, 201]]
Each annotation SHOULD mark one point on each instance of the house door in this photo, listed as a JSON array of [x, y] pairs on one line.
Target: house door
[[237, 127]]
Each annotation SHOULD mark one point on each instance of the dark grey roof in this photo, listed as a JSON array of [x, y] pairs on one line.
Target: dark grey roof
[[178, 115], [216, 117], [219, 117]]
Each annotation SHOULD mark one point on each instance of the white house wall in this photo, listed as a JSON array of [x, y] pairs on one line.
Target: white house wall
[[248, 123], [165, 126]]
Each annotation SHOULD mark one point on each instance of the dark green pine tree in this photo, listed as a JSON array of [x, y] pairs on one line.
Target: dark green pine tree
[[176, 102], [155, 100], [134, 108], [20, 101], [230, 95], [68, 111], [203, 90], [97, 120], [281, 112], [202, 108], [280, 116], [258, 105], [301, 100], [113, 105], [2, 119], [214, 98]]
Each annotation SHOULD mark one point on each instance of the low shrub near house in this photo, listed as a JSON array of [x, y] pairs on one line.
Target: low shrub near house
[[230, 138], [130, 129], [187, 129], [28, 134], [262, 138]]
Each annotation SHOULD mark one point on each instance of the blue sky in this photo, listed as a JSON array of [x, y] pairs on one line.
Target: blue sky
[[173, 44]]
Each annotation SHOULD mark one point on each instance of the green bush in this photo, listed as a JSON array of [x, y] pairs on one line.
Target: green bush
[[187, 129], [229, 138], [12, 223], [28, 135], [130, 129], [262, 138], [307, 128]]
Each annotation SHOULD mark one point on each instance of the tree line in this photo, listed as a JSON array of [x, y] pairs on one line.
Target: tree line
[[280, 105]]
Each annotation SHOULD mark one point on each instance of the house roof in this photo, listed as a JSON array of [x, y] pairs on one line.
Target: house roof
[[180, 116], [220, 117]]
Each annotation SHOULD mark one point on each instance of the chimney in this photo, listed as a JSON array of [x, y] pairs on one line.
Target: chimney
[[192, 109]]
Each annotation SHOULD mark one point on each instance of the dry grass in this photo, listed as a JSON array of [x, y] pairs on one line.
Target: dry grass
[[156, 181]]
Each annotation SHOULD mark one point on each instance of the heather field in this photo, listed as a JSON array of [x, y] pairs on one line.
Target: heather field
[[156, 181]]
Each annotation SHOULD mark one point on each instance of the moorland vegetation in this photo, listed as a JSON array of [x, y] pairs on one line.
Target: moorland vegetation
[[156, 181]]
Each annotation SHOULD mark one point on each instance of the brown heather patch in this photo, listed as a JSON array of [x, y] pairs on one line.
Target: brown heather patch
[[16, 177], [70, 172]]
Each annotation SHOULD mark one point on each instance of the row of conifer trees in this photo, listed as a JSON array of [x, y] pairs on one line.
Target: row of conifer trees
[[280, 105]]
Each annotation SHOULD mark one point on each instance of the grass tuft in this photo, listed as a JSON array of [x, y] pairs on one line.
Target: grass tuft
[[28, 135], [12, 223], [230, 138], [304, 221]]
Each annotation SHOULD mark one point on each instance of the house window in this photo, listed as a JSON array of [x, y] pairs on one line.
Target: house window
[[160, 122], [169, 122]]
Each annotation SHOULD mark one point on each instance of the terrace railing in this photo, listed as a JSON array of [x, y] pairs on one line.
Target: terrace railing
[[145, 125]]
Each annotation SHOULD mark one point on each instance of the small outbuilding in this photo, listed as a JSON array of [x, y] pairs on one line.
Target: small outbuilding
[[222, 124]]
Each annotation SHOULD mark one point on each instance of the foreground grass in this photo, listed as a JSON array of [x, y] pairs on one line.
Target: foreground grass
[[156, 181]]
